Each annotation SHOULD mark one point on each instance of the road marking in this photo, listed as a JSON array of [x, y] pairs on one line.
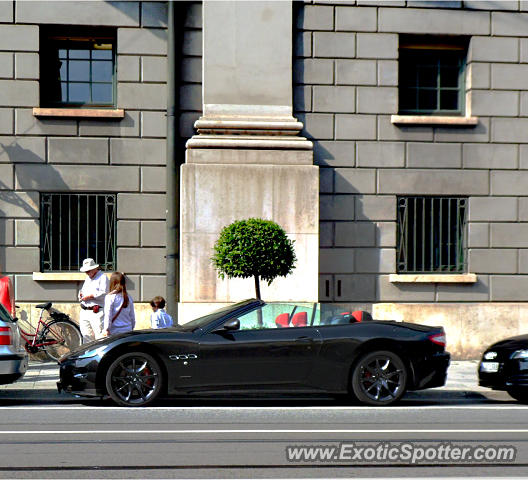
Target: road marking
[[275, 408], [228, 431]]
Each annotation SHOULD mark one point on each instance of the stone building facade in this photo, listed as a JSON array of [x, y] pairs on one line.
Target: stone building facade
[[119, 150], [299, 112], [348, 80]]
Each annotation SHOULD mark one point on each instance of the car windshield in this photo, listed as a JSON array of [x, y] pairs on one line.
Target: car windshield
[[202, 321], [279, 315]]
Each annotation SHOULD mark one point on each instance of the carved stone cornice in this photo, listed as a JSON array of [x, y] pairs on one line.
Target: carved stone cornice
[[261, 132]]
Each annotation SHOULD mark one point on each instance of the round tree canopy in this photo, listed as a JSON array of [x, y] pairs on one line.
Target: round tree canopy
[[254, 248]]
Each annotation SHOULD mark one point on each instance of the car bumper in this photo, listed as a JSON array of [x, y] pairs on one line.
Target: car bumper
[[78, 377], [12, 367], [511, 373], [431, 371]]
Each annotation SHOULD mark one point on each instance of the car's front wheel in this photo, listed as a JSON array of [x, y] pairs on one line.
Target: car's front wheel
[[134, 379], [379, 378], [520, 394]]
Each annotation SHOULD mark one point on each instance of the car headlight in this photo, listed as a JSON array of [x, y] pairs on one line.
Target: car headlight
[[519, 354], [490, 356], [89, 354]]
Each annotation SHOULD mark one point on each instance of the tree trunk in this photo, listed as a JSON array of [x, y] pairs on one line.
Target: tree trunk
[[257, 291], [257, 286]]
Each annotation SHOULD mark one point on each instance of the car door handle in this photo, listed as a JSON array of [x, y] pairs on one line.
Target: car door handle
[[304, 340]]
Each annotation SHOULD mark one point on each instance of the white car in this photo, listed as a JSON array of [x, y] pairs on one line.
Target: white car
[[13, 356]]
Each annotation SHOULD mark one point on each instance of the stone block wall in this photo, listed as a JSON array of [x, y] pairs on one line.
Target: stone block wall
[[345, 91], [126, 157]]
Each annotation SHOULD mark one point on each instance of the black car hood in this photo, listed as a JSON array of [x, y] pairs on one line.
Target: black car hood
[[85, 347], [513, 343]]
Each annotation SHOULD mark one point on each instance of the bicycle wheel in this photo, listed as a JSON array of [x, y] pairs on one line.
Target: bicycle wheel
[[63, 336]]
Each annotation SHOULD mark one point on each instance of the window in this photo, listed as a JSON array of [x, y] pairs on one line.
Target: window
[[431, 235], [77, 68], [76, 226], [432, 75]]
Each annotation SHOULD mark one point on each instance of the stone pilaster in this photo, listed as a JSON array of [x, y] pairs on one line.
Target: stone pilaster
[[247, 158]]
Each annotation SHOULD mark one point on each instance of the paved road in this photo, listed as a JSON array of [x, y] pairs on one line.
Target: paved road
[[97, 441], [47, 435]]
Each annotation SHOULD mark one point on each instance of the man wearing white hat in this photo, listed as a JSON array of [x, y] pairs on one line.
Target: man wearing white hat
[[92, 296]]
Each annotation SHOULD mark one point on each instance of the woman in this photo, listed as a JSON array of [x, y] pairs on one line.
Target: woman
[[119, 314]]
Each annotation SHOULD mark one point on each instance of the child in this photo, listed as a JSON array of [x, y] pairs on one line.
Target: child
[[159, 318]]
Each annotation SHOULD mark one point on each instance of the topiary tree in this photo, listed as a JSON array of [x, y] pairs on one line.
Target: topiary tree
[[254, 248]]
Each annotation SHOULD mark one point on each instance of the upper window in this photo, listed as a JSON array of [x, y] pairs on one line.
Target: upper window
[[77, 68], [432, 75], [75, 226], [431, 235]]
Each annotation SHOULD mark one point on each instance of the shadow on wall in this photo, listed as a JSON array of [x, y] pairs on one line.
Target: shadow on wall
[[188, 18], [21, 202], [153, 15], [12, 204], [349, 241]]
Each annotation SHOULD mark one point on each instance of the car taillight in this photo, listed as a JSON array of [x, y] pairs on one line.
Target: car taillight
[[438, 338], [5, 336]]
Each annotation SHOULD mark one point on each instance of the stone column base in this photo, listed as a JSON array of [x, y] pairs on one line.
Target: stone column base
[[220, 187]]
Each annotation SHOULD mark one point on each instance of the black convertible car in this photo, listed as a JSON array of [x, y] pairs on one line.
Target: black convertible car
[[261, 347], [504, 366]]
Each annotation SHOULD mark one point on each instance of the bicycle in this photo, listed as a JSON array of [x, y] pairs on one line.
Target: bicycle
[[56, 337]]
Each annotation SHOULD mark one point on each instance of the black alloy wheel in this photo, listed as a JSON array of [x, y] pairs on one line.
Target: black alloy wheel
[[379, 378], [134, 379]]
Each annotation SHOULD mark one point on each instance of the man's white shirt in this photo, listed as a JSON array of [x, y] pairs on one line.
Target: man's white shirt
[[98, 287]]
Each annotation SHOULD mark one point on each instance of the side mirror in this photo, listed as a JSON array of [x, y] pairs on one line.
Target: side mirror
[[233, 324]]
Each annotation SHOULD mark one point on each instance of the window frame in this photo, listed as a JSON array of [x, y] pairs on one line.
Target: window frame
[[107, 258], [409, 229], [420, 46], [74, 36]]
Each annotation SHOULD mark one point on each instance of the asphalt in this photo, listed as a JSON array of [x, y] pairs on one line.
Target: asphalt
[[42, 376]]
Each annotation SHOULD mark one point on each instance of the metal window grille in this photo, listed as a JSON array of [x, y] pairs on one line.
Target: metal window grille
[[432, 235], [77, 226], [432, 82], [78, 70]]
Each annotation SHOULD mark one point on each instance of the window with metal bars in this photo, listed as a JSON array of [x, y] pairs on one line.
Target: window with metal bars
[[431, 234], [75, 226], [432, 75], [77, 68]]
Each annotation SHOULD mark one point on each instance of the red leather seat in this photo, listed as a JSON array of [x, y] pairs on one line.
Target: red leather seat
[[357, 316], [282, 320], [300, 319], [360, 316]]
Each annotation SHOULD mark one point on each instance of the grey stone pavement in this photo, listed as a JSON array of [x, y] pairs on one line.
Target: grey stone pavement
[[39, 376], [42, 376]]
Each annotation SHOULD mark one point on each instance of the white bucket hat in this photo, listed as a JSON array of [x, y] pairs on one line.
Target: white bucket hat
[[88, 264]]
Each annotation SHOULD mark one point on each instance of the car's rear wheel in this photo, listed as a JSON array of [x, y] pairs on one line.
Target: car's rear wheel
[[134, 379], [379, 378], [520, 394]]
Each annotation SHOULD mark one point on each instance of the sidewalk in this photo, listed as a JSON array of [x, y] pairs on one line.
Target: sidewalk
[[39, 376], [461, 377]]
